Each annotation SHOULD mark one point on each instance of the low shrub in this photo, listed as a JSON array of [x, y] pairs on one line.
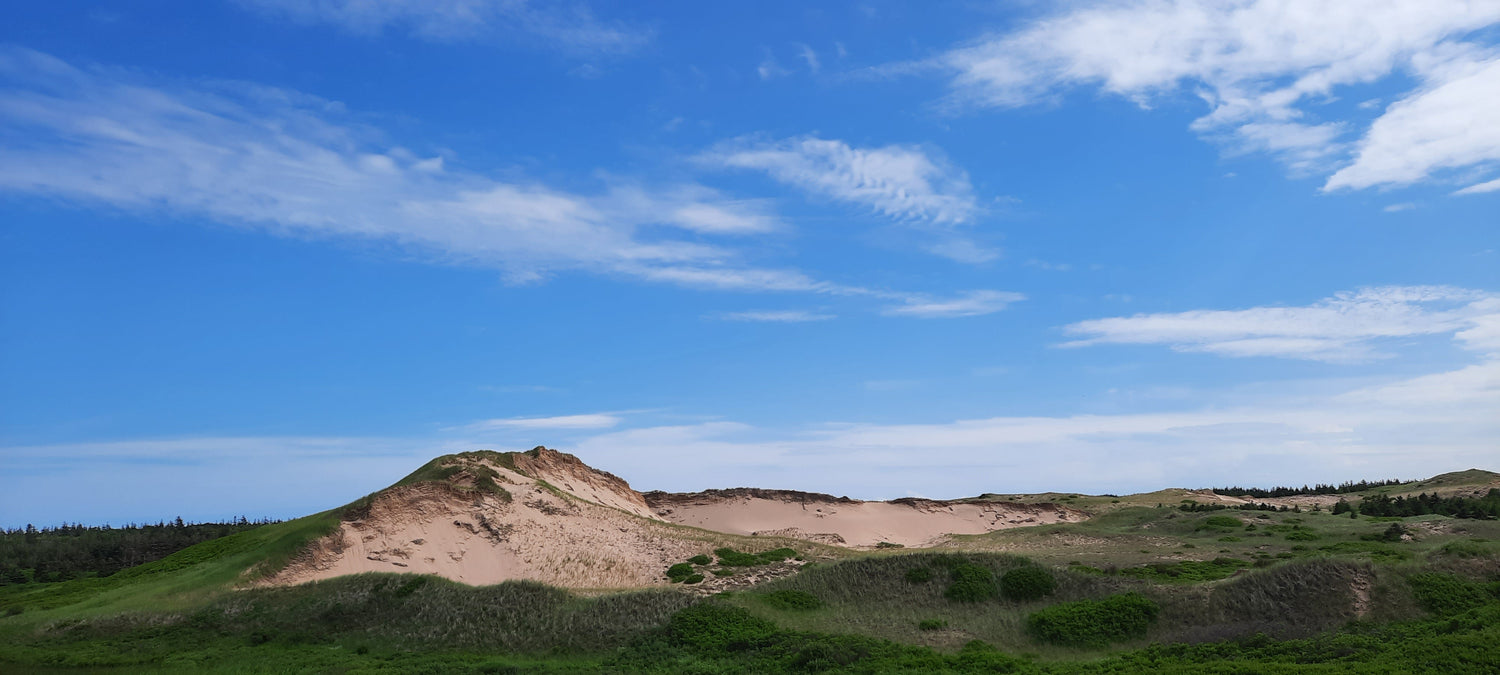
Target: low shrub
[[1220, 523], [1473, 548], [677, 573], [800, 601], [722, 572], [700, 559], [1027, 583], [919, 575], [1446, 594], [971, 583], [693, 579], [729, 557], [1302, 535], [1094, 623], [718, 627], [932, 624]]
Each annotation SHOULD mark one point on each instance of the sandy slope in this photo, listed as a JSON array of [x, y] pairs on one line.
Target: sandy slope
[[848, 522]]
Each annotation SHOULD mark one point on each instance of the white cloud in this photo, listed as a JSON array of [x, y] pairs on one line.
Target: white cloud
[[283, 162], [1397, 208], [1405, 429], [905, 182], [1480, 188], [810, 57], [1342, 328], [1449, 124], [587, 421], [1262, 66], [777, 316], [568, 26], [971, 303]]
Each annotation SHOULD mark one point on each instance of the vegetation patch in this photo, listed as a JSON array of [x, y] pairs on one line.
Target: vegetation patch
[[680, 572], [932, 624], [1448, 594], [729, 557], [920, 575], [791, 600], [1188, 571], [1094, 623], [1025, 584], [970, 583]]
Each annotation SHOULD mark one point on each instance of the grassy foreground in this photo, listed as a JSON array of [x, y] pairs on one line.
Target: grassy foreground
[[1140, 588]]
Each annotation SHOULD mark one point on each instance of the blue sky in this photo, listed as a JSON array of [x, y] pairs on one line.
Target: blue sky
[[262, 256]]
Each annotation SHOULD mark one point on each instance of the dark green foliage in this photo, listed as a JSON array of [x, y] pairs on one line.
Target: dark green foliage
[[1302, 534], [1189, 571], [887, 544], [1485, 508], [932, 624], [693, 579], [1094, 623], [1319, 489], [53, 554], [677, 573], [791, 600], [729, 557], [919, 575], [1474, 548], [1394, 533], [970, 583], [700, 559], [714, 627], [722, 572], [1221, 523], [1447, 594], [1025, 584]]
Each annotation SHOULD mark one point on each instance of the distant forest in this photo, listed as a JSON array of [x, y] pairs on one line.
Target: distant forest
[[1319, 489], [1482, 508], [67, 552]]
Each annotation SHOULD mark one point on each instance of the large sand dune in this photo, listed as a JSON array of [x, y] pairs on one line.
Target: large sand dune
[[542, 515], [848, 522]]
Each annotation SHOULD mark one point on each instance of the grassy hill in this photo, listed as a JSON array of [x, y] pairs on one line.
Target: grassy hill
[[1143, 586]]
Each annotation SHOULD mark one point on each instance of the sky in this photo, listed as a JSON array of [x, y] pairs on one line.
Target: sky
[[262, 257]]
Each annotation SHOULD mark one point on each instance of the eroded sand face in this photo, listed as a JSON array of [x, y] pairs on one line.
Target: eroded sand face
[[847, 522], [432, 529]]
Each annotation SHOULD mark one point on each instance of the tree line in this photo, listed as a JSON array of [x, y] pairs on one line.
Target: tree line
[[64, 552], [1319, 489], [1481, 508]]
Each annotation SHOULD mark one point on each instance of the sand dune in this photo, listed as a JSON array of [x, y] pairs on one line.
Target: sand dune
[[848, 522]]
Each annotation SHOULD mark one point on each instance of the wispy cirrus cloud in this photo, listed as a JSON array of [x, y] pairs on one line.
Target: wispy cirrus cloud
[[569, 26], [1263, 67], [293, 164], [559, 422], [913, 185], [777, 316], [971, 303], [1347, 327]]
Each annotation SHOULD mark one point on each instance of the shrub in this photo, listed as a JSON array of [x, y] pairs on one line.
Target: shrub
[[700, 559], [1027, 583], [679, 572], [721, 572], [1301, 535], [1221, 523], [971, 583], [1474, 548], [932, 624], [718, 627], [693, 579], [919, 575], [1445, 594], [800, 601], [1094, 623], [887, 544], [729, 557]]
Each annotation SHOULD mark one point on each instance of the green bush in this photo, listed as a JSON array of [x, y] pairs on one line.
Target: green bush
[[1446, 594], [718, 627], [693, 579], [1473, 548], [729, 557], [919, 575], [932, 624], [1027, 583], [1094, 623], [679, 572], [700, 559], [1302, 535], [1221, 523], [721, 572], [971, 583], [800, 601]]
